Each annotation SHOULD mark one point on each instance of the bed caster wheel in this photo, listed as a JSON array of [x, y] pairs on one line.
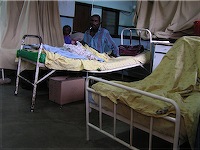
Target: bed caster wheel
[[15, 93], [32, 108]]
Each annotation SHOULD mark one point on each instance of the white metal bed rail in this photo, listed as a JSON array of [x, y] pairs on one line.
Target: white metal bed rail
[[148, 32], [175, 120], [37, 69]]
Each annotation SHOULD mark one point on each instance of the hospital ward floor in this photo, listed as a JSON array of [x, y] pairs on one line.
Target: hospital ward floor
[[51, 127]]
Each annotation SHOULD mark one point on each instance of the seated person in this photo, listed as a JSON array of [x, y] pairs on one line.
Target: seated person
[[99, 38], [66, 34]]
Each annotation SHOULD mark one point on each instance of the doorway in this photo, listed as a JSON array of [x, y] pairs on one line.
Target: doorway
[[82, 17]]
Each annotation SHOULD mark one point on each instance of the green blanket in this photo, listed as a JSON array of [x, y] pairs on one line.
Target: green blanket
[[31, 55]]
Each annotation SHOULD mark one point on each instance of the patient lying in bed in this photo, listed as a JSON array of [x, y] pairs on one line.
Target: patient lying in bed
[[79, 49], [76, 51]]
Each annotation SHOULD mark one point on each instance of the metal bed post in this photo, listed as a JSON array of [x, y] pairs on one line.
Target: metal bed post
[[2, 74], [36, 79], [36, 73], [19, 67], [114, 119], [150, 133], [131, 128], [4, 80], [87, 107]]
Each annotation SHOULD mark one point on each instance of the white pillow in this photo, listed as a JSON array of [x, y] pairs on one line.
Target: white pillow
[[78, 36]]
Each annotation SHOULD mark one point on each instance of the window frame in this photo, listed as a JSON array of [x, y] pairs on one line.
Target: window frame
[[116, 25]]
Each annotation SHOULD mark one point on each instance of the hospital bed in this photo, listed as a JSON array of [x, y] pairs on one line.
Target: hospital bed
[[41, 58], [165, 104], [150, 124]]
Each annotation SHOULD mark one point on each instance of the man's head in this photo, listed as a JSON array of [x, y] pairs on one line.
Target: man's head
[[66, 30], [95, 22]]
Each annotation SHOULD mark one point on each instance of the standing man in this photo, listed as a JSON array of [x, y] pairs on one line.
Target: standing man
[[100, 38]]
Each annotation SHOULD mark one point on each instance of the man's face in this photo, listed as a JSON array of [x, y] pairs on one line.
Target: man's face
[[95, 23]]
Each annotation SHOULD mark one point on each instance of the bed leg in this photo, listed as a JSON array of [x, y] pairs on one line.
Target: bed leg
[[87, 120], [32, 108], [17, 79], [35, 88], [33, 98], [87, 107], [87, 133]]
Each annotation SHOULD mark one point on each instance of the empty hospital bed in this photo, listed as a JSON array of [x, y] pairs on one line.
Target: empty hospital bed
[[164, 104]]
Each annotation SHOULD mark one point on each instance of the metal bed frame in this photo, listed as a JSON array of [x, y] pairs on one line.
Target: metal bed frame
[[98, 107], [151, 50], [148, 33], [37, 64]]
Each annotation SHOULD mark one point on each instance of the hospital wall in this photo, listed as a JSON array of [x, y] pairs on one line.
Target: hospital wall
[[126, 8]]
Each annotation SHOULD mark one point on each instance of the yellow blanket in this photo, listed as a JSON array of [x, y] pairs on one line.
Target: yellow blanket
[[176, 77], [58, 62]]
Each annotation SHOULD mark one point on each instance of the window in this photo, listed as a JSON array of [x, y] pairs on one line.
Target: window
[[110, 20], [109, 16]]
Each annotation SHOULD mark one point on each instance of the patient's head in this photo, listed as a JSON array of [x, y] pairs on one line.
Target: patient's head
[[66, 30]]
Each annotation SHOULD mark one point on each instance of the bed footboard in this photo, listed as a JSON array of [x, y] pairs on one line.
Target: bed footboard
[[175, 120], [36, 62]]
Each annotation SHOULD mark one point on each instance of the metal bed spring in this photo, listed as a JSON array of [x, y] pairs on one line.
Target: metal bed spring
[[175, 120], [37, 64]]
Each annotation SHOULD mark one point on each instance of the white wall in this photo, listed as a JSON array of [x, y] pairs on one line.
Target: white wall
[[115, 4], [67, 8], [126, 8]]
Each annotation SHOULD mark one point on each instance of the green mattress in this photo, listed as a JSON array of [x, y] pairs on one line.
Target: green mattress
[[30, 55]]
